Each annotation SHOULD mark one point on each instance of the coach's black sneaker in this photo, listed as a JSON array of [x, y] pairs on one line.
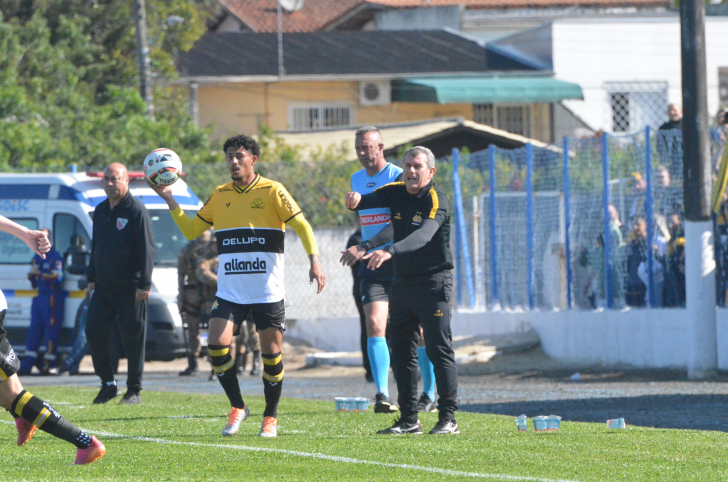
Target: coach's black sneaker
[[401, 427], [426, 405], [131, 398], [382, 404], [445, 427], [108, 391]]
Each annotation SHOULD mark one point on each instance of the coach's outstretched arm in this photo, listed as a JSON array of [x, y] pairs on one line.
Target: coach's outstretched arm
[[191, 228]]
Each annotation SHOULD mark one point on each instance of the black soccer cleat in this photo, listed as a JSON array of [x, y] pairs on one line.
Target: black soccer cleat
[[107, 392], [382, 404], [426, 405], [445, 427], [131, 398], [401, 427]]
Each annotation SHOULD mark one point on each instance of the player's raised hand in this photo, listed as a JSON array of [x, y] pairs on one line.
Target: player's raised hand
[[352, 200], [162, 191]]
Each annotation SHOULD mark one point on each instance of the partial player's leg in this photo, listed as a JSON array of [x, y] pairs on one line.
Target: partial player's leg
[[427, 399], [31, 412], [220, 334], [270, 322], [375, 294]]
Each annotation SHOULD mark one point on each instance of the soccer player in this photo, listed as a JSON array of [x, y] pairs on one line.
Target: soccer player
[[249, 215], [421, 287], [375, 285], [30, 412]]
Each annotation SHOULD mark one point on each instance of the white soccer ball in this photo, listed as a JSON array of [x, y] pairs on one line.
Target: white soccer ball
[[162, 167]]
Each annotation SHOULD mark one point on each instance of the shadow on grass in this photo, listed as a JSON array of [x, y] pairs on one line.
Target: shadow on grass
[[697, 412]]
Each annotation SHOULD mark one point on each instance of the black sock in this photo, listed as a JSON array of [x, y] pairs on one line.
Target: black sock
[[44, 416], [224, 367], [272, 383]]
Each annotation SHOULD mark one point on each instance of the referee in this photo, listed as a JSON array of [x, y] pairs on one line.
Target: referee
[[421, 288]]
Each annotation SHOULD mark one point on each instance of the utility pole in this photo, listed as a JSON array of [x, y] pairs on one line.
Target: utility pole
[[699, 257], [145, 70]]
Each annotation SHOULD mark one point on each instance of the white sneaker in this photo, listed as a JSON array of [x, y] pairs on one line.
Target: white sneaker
[[269, 427], [235, 418]]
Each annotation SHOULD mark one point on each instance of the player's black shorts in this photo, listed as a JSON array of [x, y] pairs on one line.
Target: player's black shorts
[[9, 363], [265, 315], [372, 289]]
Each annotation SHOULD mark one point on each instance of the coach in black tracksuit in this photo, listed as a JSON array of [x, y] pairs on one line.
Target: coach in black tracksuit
[[421, 288], [120, 278]]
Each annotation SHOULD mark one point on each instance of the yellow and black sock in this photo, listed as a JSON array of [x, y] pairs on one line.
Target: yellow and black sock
[[44, 416], [272, 383], [224, 367]]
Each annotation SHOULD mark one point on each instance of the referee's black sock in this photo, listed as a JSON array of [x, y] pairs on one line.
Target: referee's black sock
[[44, 416], [224, 367], [272, 383]]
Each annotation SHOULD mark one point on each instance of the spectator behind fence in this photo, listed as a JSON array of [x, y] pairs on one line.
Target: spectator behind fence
[[189, 302], [584, 279], [669, 140], [120, 279], [658, 252], [46, 312], [616, 258], [635, 289], [639, 192], [674, 289], [665, 195]]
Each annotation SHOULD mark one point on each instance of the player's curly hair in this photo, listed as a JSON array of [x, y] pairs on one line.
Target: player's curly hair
[[247, 143]]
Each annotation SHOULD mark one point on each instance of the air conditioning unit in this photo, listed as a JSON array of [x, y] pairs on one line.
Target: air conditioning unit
[[375, 93]]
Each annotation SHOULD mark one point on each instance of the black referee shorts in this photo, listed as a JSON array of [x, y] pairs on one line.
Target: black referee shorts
[[265, 315]]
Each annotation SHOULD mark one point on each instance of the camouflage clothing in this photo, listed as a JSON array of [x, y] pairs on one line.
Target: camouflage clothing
[[189, 301], [206, 273]]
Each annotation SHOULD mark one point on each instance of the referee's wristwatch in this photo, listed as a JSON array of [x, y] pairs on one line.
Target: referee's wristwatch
[[367, 245]]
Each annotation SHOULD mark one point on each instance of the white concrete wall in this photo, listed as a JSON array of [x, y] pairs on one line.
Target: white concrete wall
[[592, 52], [639, 338]]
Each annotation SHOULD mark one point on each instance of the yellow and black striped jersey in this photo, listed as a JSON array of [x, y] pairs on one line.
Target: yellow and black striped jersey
[[249, 224]]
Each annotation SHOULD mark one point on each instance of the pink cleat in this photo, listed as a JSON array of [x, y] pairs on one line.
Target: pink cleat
[[26, 430], [91, 454]]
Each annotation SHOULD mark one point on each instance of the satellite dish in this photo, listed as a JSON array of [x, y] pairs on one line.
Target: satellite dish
[[291, 5]]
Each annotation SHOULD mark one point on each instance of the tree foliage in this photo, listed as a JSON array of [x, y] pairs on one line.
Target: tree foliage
[[68, 84]]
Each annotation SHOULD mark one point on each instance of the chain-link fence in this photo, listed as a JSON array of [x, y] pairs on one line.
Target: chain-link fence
[[539, 223]]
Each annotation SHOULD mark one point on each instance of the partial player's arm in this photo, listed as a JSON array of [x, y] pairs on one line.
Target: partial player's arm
[[37, 241], [379, 198], [205, 274], [191, 228], [291, 214], [356, 252]]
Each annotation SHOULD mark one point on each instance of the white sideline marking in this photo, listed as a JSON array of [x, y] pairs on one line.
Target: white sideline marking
[[333, 458]]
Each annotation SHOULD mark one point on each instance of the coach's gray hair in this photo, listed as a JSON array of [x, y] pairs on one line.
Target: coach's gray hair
[[363, 130], [417, 150]]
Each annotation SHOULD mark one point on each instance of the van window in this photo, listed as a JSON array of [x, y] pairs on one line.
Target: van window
[[13, 250], [168, 239], [67, 231]]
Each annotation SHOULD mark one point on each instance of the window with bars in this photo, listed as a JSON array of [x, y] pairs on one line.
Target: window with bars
[[636, 105], [515, 119], [307, 117]]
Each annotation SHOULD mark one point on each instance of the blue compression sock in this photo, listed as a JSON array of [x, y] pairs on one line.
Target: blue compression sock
[[379, 359], [428, 373]]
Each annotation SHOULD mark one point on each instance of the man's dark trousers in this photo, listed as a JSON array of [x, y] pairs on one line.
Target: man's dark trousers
[[105, 304], [424, 300]]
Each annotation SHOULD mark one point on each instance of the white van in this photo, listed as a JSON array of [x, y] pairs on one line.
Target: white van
[[64, 203]]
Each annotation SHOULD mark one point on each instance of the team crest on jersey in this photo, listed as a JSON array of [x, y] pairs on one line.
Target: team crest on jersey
[[257, 204], [215, 305], [397, 216], [417, 219], [121, 223]]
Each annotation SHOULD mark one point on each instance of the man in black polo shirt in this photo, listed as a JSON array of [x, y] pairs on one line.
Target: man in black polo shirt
[[120, 279], [421, 288]]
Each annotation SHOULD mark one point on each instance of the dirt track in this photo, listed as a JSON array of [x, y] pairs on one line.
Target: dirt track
[[529, 383]]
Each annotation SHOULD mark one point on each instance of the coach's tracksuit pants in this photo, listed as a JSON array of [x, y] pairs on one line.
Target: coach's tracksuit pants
[[424, 301], [105, 305]]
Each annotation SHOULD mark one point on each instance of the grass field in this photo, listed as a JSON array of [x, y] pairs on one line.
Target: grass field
[[174, 436]]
